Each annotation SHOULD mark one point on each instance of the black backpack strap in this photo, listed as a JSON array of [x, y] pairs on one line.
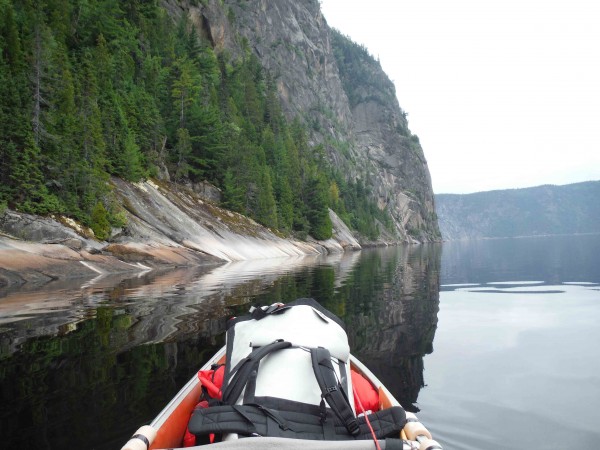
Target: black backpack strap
[[242, 371], [386, 423], [257, 420], [258, 313], [227, 419], [292, 422], [331, 389]]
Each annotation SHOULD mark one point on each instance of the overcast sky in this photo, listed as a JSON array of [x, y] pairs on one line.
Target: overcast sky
[[502, 93]]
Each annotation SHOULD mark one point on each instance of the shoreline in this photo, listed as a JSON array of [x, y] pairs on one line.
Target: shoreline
[[165, 228]]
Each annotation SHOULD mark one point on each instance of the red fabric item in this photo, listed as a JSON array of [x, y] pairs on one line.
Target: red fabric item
[[366, 392], [189, 440], [218, 376], [212, 380]]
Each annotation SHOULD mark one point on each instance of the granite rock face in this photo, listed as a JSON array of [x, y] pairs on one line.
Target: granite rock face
[[367, 138], [168, 225], [361, 127]]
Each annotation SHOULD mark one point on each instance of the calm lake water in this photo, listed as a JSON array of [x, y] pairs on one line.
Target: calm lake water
[[495, 343], [516, 360]]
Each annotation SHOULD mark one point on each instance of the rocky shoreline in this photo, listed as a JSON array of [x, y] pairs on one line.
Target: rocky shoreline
[[167, 226]]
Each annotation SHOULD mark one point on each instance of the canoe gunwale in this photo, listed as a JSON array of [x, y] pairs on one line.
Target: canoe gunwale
[[168, 422]]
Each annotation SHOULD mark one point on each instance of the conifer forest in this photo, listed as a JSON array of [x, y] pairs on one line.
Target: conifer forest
[[95, 89]]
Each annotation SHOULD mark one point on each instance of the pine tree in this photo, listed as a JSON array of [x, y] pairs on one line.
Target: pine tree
[[29, 192], [266, 209], [129, 164], [13, 98], [183, 151], [99, 222], [186, 87], [233, 193], [146, 124], [318, 212], [208, 144], [90, 117]]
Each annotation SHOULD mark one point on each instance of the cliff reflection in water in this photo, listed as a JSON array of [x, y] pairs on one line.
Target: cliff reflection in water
[[389, 301], [87, 363], [392, 316]]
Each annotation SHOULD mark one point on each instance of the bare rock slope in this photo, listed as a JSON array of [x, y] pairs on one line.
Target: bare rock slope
[[167, 225]]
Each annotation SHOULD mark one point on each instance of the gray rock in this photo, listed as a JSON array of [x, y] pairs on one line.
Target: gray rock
[[294, 43], [35, 228], [207, 191], [73, 244]]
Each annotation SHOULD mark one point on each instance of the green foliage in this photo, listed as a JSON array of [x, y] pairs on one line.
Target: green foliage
[[233, 192], [117, 219], [266, 209], [183, 150], [358, 210], [358, 69], [90, 89], [99, 222], [318, 212]]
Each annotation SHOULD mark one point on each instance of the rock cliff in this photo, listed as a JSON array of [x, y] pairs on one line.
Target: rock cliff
[[167, 225], [323, 79], [361, 126]]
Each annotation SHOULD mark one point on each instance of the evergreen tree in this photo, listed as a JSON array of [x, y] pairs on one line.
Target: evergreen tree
[[29, 193], [99, 222], [183, 150], [186, 87], [13, 98], [318, 212], [208, 144], [129, 164], [92, 88], [266, 209], [233, 193]]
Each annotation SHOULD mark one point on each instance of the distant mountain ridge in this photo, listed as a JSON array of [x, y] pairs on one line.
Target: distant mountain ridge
[[535, 211]]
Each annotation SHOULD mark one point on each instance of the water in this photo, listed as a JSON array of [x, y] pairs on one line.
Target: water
[[495, 343], [516, 361]]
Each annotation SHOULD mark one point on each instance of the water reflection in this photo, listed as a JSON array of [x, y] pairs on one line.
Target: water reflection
[[393, 316], [82, 365], [553, 259]]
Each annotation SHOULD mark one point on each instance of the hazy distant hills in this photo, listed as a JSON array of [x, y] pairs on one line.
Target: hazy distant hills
[[541, 210]]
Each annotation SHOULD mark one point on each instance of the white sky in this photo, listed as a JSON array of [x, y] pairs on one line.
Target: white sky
[[502, 93]]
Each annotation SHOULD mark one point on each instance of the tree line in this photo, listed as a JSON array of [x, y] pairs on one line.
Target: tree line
[[91, 89]]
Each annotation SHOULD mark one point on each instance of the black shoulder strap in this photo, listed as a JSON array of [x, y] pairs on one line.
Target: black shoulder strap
[[331, 389], [242, 371]]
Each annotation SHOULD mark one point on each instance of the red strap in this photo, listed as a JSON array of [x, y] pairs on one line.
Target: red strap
[[212, 380], [356, 397], [213, 390]]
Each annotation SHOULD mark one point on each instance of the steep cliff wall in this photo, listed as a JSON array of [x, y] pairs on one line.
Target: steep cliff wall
[[362, 127]]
